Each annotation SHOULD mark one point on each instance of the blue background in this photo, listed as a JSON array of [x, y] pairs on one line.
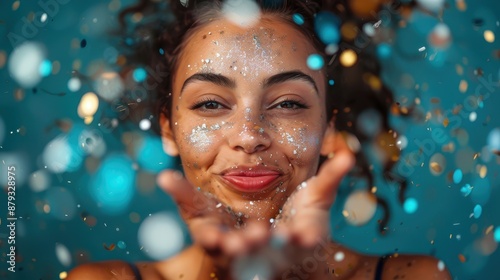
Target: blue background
[[443, 225]]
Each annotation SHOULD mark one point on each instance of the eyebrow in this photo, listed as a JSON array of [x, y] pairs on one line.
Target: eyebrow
[[213, 78], [289, 76], [224, 81]]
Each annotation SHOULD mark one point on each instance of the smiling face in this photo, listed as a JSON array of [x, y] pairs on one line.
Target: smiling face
[[248, 115]]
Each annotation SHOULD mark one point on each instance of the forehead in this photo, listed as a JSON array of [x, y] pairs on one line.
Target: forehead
[[272, 45]]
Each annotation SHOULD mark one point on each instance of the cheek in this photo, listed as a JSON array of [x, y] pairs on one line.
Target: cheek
[[198, 140]]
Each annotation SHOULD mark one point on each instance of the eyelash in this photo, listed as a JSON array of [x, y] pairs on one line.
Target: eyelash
[[295, 102], [200, 104]]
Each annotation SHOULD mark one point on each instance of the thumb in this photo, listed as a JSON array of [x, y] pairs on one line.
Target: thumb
[[330, 175], [184, 194]]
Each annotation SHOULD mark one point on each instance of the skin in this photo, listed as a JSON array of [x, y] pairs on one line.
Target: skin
[[250, 122]]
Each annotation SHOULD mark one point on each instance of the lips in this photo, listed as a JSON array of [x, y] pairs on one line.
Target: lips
[[250, 179]]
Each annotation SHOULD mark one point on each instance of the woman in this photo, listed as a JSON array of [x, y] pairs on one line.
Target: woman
[[251, 121]]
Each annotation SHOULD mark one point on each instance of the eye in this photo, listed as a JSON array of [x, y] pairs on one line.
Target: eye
[[291, 104], [206, 105]]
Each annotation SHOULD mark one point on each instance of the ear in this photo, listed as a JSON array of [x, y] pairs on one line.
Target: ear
[[167, 137]]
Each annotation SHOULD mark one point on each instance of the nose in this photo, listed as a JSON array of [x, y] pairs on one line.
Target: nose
[[249, 137]]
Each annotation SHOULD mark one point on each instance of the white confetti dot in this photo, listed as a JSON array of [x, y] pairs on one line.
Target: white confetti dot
[[43, 18], [161, 236], [360, 207], [473, 116], [63, 254], [241, 12], [24, 64], [145, 124], [74, 84], [339, 256], [440, 265], [39, 180]]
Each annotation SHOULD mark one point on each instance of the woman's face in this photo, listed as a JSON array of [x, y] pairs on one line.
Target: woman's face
[[248, 115]]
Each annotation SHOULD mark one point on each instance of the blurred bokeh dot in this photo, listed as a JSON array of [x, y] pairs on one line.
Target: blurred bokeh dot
[[496, 234], [145, 124], [359, 207], [121, 244], [242, 13], [493, 140], [478, 210], [410, 205], [326, 26], [432, 5], [39, 180], [74, 84], [63, 254], [315, 62], [298, 19], [457, 176], [251, 267], [437, 164], [161, 236], [24, 64]]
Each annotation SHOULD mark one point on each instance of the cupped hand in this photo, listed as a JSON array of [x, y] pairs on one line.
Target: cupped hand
[[212, 225]]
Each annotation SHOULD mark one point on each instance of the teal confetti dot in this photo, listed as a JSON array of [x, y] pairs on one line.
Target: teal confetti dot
[[326, 25], [121, 245], [45, 68], [496, 234], [466, 190], [139, 75], [410, 205], [298, 19], [457, 176], [331, 82], [478, 210], [384, 50], [162, 52], [315, 61]]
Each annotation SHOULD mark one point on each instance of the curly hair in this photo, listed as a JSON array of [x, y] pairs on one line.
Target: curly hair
[[156, 40]]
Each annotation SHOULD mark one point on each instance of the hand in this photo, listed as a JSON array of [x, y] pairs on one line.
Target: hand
[[212, 225]]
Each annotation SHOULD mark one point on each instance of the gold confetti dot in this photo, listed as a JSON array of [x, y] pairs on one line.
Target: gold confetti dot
[[374, 189], [489, 36], [134, 217], [348, 58], [461, 5], [114, 5], [459, 69], [15, 5], [63, 275], [483, 171], [46, 208], [446, 121], [136, 17], [436, 167], [461, 258], [3, 58], [488, 230], [349, 31], [463, 86], [56, 66], [19, 94]]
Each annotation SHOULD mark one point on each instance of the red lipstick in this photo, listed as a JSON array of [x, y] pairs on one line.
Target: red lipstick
[[250, 179]]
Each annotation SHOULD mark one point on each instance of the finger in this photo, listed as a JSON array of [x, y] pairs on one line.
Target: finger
[[206, 232], [233, 243], [256, 234], [324, 186], [184, 194]]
